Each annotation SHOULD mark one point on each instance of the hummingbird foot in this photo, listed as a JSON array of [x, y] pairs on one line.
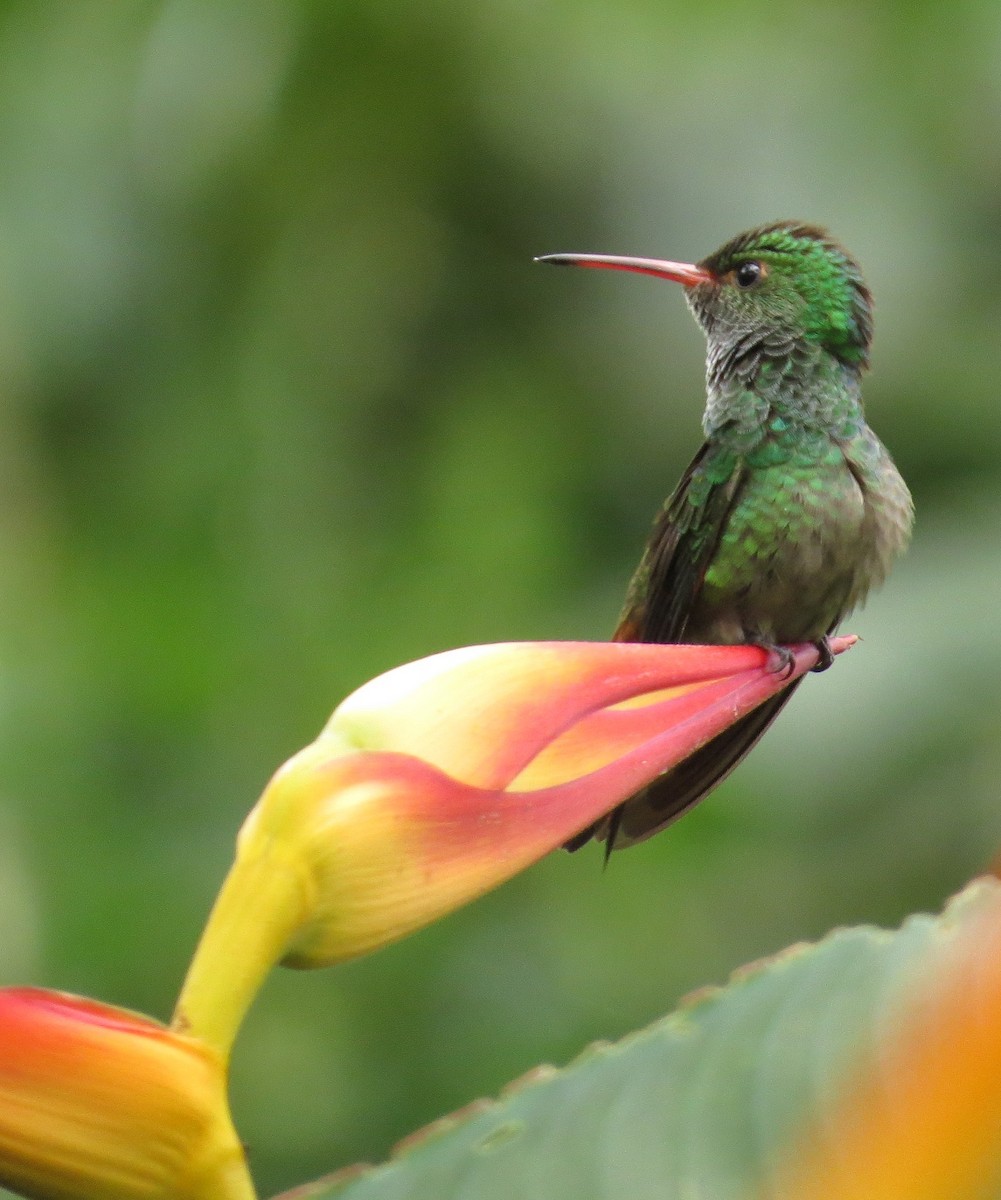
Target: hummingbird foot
[[785, 660], [826, 657]]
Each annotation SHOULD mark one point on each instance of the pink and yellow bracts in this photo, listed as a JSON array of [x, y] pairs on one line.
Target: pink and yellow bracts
[[439, 780]]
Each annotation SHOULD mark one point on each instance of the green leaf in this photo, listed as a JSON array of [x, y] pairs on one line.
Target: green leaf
[[700, 1105]]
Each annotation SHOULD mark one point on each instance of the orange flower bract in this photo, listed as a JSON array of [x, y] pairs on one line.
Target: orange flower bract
[[99, 1102]]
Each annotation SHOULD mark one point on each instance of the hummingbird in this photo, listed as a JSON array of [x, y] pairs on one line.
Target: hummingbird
[[791, 511]]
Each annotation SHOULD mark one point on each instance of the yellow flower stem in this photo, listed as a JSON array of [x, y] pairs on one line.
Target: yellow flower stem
[[261, 905], [234, 1182]]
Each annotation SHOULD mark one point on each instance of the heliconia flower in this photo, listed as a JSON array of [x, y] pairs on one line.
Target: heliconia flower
[[100, 1102], [439, 780]]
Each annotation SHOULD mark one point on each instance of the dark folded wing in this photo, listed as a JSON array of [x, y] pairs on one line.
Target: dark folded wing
[[661, 597], [678, 790], [684, 538]]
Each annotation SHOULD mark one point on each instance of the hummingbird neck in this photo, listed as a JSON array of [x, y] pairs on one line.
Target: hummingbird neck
[[751, 380]]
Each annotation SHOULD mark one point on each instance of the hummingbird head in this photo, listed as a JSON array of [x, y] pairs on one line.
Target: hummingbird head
[[768, 289], [785, 282]]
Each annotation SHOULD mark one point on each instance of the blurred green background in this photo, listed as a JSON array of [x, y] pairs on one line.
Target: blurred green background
[[285, 402]]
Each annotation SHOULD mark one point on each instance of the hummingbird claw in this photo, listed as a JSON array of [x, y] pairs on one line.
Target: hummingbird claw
[[826, 657], [786, 660]]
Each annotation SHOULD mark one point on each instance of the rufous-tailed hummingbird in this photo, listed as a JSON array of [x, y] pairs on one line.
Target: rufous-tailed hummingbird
[[791, 511]]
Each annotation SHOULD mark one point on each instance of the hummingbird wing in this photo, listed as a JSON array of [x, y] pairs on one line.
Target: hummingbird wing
[[684, 539], [660, 600], [675, 792]]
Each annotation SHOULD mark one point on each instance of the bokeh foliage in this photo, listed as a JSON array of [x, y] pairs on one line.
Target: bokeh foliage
[[285, 402]]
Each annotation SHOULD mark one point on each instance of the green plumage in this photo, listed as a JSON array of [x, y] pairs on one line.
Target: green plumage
[[792, 510]]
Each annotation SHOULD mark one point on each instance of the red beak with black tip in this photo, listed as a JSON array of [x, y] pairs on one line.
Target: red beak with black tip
[[688, 274]]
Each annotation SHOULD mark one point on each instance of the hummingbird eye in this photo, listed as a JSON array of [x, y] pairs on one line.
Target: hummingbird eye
[[748, 274]]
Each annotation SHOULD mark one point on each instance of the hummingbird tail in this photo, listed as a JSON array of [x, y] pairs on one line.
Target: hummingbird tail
[[676, 791]]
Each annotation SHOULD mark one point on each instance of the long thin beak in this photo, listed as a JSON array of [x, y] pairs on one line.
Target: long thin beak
[[687, 273]]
